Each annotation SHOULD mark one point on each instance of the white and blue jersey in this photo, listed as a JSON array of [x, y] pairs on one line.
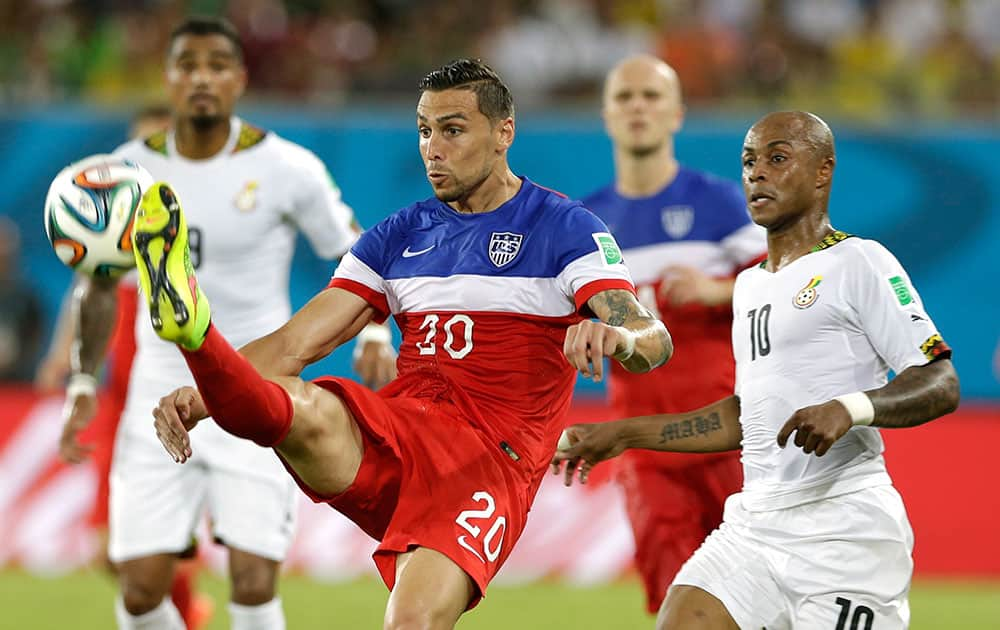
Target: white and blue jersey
[[485, 299]]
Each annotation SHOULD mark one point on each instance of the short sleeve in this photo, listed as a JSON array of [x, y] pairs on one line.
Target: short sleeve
[[590, 260], [319, 211], [361, 270], [890, 310]]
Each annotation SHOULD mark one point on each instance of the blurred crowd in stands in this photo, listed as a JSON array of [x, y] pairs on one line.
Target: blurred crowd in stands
[[872, 60]]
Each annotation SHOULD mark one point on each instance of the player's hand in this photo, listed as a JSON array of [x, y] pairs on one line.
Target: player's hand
[[175, 415], [375, 363], [686, 285], [51, 374], [588, 342], [77, 414], [589, 444], [817, 427]]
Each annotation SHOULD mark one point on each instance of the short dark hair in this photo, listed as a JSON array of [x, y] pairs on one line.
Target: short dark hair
[[209, 25], [495, 101]]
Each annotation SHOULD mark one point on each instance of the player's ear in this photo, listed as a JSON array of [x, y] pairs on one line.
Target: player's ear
[[505, 133], [241, 80], [677, 118], [825, 173]]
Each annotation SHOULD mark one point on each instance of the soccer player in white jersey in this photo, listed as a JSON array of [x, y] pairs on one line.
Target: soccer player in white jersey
[[493, 282], [818, 538], [248, 193]]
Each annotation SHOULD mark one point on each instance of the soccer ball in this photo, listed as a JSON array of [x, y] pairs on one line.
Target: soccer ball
[[89, 212]]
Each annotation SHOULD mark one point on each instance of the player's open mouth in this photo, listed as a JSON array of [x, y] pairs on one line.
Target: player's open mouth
[[758, 199], [436, 177]]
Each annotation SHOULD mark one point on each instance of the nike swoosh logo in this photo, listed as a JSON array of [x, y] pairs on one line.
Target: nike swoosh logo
[[408, 254], [461, 541]]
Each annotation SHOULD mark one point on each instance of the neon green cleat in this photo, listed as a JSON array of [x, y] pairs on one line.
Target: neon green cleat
[[177, 307]]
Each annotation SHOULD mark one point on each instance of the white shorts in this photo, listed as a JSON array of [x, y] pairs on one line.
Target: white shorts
[[156, 504], [842, 563]]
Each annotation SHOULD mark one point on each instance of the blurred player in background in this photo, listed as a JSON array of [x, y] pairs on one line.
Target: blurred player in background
[[684, 234], [99, 437], [492, 282], [818, 538], [249, 192]]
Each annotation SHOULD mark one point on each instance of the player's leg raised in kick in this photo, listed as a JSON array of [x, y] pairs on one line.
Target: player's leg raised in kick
[[322, 445]]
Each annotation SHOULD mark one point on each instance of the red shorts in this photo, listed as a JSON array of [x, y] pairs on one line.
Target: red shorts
[[672, 509], [428, 478]]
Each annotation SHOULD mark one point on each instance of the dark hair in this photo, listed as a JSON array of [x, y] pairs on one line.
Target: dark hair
[[206, 25], [495, 101]]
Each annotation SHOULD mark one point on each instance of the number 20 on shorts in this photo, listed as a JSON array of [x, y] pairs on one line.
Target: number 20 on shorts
[[492, 540]]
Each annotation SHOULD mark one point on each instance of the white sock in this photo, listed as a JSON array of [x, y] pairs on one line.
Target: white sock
[[163, 617], [267, 616]]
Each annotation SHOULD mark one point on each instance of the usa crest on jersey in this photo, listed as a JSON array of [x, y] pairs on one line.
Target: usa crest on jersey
[[677, 221], [504, 247]]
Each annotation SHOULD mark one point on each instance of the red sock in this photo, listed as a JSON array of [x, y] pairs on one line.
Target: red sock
[[181, 592], [240, 400]]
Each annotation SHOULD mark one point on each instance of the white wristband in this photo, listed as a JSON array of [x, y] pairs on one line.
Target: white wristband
[[376, 333], [629, 350], [372, 333], [859, 407], [81, 384]]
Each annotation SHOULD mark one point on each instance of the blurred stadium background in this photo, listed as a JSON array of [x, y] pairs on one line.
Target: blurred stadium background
[[911, 88]]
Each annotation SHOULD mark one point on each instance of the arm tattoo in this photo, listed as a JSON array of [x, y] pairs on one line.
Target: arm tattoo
[[917, 395], [700, 425], [615, 306]]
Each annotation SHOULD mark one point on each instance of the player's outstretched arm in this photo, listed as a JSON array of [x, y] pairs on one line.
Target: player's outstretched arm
[[711, 429], [627, 332], [917, 395], [328, 320], [93, 307]]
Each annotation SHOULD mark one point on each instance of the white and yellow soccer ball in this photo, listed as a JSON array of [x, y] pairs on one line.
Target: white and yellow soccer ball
[[89, 212]]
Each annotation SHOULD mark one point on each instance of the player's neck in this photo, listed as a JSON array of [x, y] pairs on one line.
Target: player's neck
[[201, 143], [788, 243], [496, 190], [645, 175]]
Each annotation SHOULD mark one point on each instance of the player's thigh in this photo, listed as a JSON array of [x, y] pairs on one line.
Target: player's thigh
[[324, 445], [154, 502], [691, 607], [252, 512], [734, 567], [431, 591]]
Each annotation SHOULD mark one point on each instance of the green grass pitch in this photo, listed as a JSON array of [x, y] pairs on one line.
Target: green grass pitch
[[83, 601]]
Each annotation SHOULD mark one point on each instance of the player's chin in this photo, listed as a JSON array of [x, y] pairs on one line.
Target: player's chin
[[447, 194]]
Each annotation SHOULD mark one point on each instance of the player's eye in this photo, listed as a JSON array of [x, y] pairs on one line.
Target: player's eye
[[424, 132], [778, 158], [453, 131], [748, 162]]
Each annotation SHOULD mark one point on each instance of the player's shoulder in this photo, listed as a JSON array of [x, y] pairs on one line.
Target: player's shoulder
[[139, 148], [859, 252], [554, 207]]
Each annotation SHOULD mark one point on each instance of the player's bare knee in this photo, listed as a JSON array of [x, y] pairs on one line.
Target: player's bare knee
[[253, 584], [419, 615], [140, 596]]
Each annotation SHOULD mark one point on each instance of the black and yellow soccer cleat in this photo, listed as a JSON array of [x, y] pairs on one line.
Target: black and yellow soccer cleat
[[178, 309]]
